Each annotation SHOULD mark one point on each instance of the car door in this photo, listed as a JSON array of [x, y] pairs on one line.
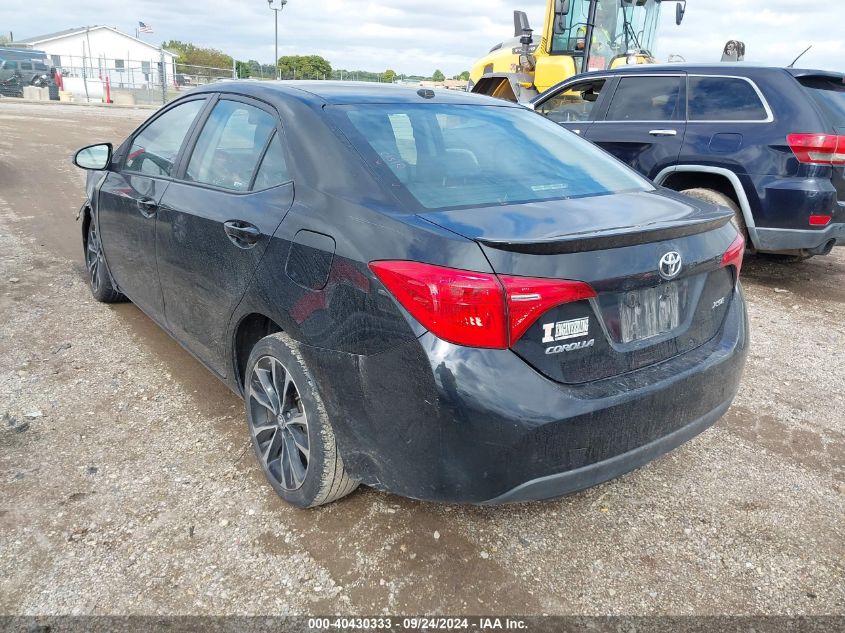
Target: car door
[[128, 203], [215, 222], [575, 105], [644, 124]]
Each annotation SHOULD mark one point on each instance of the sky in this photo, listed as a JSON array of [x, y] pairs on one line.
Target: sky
[[419, 36]]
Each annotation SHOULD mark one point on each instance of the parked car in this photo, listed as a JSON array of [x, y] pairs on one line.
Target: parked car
[[768, 143], [30, 66], [435, 294], [183, 80]]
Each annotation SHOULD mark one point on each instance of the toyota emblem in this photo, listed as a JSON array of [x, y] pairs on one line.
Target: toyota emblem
[[670, 265]]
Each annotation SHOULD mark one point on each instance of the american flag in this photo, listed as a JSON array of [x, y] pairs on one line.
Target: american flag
[[145, 28]]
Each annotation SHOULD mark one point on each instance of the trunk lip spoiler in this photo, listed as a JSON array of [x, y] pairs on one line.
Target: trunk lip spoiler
[[609, 238]]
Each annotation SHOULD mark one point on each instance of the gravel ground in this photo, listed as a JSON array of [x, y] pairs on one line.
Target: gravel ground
[[127, 484]]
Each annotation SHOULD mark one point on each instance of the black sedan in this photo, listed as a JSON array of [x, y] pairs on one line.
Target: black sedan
[[437, 294]]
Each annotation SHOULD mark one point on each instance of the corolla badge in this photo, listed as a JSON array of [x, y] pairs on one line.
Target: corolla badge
[[670, 265]]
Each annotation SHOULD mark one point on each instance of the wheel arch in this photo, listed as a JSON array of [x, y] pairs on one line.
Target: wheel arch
[[250, 329], [680, 177]]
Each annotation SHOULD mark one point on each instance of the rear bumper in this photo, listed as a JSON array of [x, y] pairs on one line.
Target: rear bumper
[[574, 480], [439, 422], [768, 239]]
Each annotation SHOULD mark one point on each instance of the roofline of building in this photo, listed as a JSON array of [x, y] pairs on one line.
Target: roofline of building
[[57, 36]]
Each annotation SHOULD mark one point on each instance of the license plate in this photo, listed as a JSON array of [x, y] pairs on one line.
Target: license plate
[[649, 312]]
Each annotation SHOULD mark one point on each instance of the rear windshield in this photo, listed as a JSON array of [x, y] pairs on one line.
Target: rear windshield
[[829, 94], [449, 156]]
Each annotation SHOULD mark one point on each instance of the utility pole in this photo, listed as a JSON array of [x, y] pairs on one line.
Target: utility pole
[[282, 4]]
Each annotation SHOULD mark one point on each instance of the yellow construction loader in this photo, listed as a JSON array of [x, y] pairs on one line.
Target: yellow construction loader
[[578, 36]]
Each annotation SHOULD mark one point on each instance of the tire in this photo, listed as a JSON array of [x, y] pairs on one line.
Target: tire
[[292, 436], [720, 199], [99, 279]]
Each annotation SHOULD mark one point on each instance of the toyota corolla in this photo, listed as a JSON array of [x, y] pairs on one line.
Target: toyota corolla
[[436, 294]]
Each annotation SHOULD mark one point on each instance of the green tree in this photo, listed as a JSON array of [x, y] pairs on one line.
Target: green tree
[[243, 69], [388, 76], [191, 55], [464, 76], [4, 40], [438, 76], [305, 67]]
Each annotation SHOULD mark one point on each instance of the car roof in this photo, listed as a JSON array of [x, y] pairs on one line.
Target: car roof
[[351, 92], [738, 69], [734, 68]]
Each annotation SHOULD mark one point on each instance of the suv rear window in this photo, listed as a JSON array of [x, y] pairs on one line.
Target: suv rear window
[[724, 99], [448, 156], [829, 95]]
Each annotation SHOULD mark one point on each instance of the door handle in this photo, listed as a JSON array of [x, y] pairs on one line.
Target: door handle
[[147, 207], [664, 132], [243, 235]]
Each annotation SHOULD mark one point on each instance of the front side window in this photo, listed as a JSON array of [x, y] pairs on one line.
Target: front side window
[[724, 99], [574, 104], [445, 156], [230, 146], [646, 99], [154, 150]]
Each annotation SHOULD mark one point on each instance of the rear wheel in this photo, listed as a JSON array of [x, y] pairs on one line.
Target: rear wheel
[[99, 279], [718, 198], [291, 434]]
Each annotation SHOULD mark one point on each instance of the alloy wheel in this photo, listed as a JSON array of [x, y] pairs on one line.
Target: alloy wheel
[[278, 423], [94, 258]]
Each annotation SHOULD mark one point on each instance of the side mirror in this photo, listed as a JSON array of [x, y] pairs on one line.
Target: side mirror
[[520, 23], [562, 7], [680, 10], [94, 157]]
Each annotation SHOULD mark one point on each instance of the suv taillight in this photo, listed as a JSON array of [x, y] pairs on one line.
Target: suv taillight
[[474, 309], [818, 149]]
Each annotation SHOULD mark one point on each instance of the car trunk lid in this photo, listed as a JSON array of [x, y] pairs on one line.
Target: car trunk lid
[[618, 244]]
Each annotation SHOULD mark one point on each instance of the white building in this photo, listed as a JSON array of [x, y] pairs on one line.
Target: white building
[[97, 52]]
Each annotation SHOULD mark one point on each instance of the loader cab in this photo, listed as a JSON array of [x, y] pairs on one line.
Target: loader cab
[[621, 28]]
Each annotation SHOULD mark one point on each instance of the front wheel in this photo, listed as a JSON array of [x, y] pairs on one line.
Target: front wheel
[[99, 279], [291, 433]]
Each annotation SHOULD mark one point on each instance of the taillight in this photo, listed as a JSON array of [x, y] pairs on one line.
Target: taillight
[[529, 297], [474, 309], [458, 306], [733, 256], [818, 149]]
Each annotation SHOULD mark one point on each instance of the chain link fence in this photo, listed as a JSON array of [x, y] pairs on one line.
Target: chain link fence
[[154, 81]]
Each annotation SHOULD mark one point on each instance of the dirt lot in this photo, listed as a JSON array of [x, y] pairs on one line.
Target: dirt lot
[[127, 484]]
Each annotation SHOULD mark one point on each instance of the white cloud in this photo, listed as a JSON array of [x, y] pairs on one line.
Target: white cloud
[[417, 36]]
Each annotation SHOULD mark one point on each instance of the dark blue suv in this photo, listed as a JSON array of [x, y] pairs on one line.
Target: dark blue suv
[[769, 143]]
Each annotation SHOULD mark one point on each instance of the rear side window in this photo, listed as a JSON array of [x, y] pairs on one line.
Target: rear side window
[[446, 156], [26, 65], [574, 104], [155, 149], [829, 95], [646, 99], [724, 99], [230, 146], [274, 169]]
